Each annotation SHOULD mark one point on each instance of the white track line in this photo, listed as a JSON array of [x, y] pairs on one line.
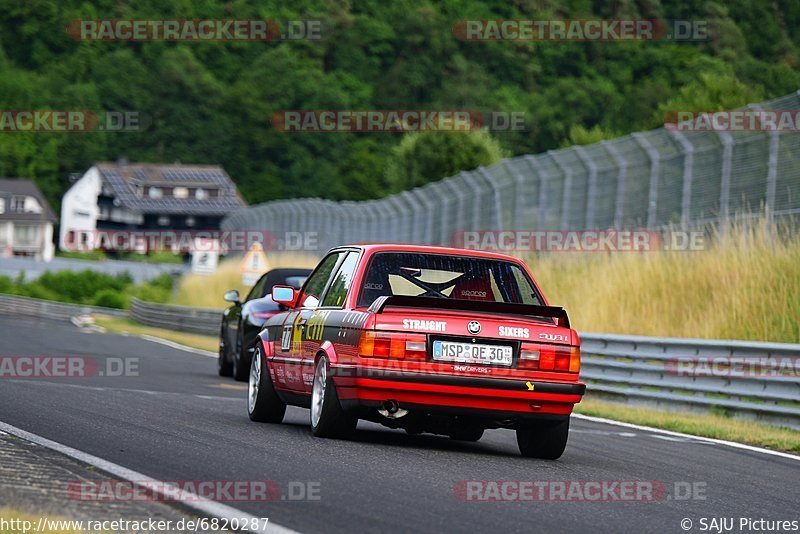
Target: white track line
[[178, 346], [682, 435], [100, 330], [205, 507]]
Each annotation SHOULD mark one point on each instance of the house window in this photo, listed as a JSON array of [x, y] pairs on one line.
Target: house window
[[155, 192], [163, 220], [180, 192], [18, 204], [201, 194], [25, 234]]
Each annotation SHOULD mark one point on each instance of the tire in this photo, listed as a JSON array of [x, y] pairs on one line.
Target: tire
[[224, 366], [241, 367], [263, 404], [545, 440], [328, 420], [467, 433]]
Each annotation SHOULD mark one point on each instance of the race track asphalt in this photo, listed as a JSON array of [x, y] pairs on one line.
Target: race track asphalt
[[178, 421]]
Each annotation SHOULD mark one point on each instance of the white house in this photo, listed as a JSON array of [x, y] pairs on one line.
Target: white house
[[128, 196], [26, 221]]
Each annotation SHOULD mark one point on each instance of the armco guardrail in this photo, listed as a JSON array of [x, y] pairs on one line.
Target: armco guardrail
[[180, 318], [672, 373], [16, 305], [697, 374]]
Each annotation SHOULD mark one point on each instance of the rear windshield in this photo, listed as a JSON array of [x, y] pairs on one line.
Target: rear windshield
[[442, 276]]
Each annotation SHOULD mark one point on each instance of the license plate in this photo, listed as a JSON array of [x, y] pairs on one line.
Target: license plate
[[454, 351]]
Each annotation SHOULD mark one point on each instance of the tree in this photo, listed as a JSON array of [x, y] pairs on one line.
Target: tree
[[424, 157]]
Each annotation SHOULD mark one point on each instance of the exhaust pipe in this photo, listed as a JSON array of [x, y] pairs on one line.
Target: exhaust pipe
[[391, 410]]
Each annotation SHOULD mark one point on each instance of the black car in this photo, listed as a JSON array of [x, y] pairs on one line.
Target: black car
[[242, 322]]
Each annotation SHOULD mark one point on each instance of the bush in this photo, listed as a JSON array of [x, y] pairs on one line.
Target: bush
[[81, 287], [5, 284], [424, 157], [158, 289], [108, 298], [88, 287]]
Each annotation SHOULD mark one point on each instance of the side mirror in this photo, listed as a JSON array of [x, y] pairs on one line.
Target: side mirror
[[231, 296], [285, 295]]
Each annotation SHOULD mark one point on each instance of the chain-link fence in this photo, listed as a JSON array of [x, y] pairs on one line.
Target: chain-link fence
[[666, 177]]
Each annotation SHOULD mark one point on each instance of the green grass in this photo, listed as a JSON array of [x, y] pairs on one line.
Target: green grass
[[706, 425], [122, 325], [746, 287]]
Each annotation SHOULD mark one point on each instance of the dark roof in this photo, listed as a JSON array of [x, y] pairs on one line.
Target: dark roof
[[124, 178], [16, 186]]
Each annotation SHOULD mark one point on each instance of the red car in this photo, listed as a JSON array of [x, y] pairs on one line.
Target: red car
[[427, 339]]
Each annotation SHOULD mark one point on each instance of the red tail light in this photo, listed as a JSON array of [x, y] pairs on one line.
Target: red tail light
[[392, 345], [550, 358]]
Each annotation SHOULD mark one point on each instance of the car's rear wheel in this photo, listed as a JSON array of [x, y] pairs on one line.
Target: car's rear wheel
[[241, 367], [263, 404], [224, 366], [543, 439], [328, 419]]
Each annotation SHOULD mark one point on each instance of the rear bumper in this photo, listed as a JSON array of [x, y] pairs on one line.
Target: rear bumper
[[456, 394]]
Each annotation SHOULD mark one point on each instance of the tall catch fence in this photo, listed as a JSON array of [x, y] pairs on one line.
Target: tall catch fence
[[663, 178]]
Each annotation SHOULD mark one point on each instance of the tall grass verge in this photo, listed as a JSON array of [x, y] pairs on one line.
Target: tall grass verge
[[743, 286], [207, 290]]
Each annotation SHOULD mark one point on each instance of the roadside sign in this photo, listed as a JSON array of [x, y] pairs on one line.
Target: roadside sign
[[253, 265], [205, 256]]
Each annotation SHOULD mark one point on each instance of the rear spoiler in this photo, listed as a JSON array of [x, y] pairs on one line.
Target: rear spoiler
[[554, 312]]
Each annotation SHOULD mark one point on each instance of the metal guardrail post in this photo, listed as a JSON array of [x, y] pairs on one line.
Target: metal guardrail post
[[565, 198], [622, 171], [591, 195], [429, 211], [394, 202], [498, 202], [772, 171], [725, 180], [536, 167], [519, 180], [413, 219], [450, 184], [469, 177], [688, 167], [655, 161]]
